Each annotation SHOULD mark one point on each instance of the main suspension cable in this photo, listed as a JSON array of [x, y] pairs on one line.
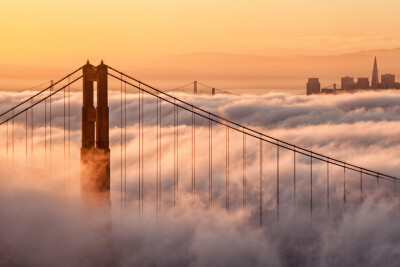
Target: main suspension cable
[[44, 90]]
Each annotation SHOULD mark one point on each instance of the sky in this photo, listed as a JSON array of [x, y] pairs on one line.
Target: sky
[[257, 45], [52, 37], [38, 203]]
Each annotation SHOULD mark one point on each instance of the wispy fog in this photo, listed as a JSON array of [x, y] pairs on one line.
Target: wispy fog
[[44, 223]]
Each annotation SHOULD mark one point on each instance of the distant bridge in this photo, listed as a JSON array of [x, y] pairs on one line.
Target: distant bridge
[[198, 88]]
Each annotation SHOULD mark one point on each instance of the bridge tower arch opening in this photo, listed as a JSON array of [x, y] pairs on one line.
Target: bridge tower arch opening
[[95, 150]]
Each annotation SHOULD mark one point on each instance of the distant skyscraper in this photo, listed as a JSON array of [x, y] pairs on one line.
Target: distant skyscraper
[[348, 83], [362, 83], [375, 80], [313, 86], [388, 81]]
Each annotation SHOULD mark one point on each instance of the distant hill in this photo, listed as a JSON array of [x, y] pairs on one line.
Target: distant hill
[[251, 71], [235, 71]]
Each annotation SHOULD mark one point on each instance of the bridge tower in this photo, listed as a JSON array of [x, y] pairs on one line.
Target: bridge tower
[[95, 150]]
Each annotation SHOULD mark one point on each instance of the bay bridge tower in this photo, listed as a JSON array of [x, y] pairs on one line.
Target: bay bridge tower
[[95, 150]]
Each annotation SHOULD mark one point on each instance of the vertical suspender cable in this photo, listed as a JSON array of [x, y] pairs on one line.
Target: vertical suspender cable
[[193, 159], [140, 153], [226, 168], [261, 181], [64, 141], [13, 148], [45, 133], [294, 182], [159, 158], [125, 153], [344, 187], [64, 128], [177, 159], [69, 124], [121, 163], [211, 166], [228, 195], [32, 130], [209, 163], [159, 162], [160, 188], [311, 186], [327, 184], [174, 158], [158, 155], [277, 181], [7, 143], [50, 129], [361, 185], [26, 138], [244, 181], [121, 158]]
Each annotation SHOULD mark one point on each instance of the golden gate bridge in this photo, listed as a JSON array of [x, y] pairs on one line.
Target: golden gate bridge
[[37, 111]]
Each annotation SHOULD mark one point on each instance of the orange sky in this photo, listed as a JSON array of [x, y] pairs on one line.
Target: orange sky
[[126, 33]]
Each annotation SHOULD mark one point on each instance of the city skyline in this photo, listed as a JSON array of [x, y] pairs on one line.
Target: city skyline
[[348, 84], [269, 73]]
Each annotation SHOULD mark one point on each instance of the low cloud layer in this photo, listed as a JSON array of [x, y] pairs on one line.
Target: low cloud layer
[[43, 222]]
